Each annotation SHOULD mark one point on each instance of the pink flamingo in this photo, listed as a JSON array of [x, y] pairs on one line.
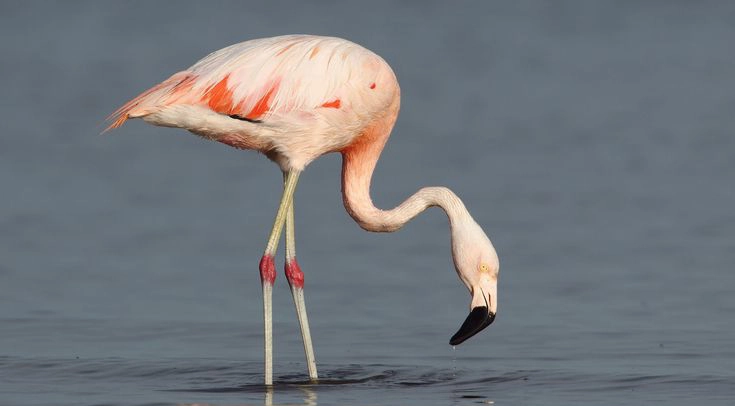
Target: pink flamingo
[[295, 98]]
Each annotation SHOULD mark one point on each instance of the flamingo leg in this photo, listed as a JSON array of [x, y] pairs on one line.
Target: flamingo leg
[[296, 281], [268, 270]]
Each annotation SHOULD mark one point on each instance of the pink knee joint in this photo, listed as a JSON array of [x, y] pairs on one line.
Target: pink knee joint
[[267, 270], [293, 274]]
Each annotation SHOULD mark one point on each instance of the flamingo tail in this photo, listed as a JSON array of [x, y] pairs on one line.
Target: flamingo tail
[[160, 95]]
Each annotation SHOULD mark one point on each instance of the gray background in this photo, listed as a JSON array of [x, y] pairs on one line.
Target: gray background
[[592, 140]]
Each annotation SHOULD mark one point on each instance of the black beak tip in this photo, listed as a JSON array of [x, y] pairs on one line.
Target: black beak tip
[[476, 321]]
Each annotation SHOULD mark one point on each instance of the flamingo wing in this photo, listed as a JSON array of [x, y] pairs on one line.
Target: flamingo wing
[[255, 79]]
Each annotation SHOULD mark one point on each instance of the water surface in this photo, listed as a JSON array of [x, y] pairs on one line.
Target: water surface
[[592, 140]]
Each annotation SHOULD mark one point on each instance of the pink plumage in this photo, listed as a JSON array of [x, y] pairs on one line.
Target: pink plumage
[[294, 84]]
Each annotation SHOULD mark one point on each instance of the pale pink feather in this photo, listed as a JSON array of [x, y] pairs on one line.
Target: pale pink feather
[[257, 78]]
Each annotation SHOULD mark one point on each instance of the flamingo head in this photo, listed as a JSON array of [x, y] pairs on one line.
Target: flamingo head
[[477, 265]]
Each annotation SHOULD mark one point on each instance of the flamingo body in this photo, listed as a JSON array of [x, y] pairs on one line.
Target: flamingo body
[[294, 97]]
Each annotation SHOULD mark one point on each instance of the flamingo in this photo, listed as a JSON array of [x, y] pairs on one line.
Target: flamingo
[[295, 98]]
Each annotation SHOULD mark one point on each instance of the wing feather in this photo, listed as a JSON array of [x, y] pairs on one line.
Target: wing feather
[[258, 78], [279, 74]]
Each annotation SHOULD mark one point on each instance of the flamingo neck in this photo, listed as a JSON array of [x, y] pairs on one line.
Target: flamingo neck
[[358, 164]]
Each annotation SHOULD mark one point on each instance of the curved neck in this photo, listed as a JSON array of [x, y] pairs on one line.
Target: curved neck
[[358, 163]]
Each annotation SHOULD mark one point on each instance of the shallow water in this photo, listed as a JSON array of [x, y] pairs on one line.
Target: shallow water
[[593, 141]]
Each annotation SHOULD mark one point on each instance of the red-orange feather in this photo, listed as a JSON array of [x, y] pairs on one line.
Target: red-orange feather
[[334, 104], [262, 106], [219, 97]]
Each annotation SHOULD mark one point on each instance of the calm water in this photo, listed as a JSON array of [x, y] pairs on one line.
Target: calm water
[[592, 140]]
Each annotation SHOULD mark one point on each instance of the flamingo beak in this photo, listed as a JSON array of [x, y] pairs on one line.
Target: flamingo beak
[[476, 321]]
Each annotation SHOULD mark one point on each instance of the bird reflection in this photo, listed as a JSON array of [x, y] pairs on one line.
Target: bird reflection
[[308, 393], [309, 398]]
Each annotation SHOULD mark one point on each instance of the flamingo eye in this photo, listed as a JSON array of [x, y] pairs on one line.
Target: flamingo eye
[[484, 268]]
